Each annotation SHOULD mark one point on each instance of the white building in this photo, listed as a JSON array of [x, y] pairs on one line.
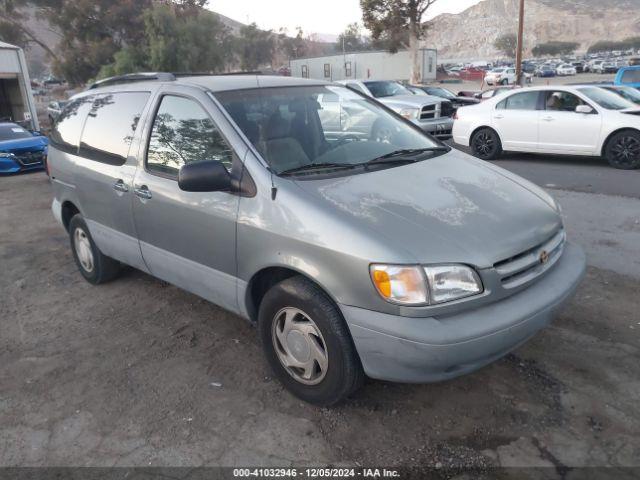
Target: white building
[[16, 98], [378, 65]]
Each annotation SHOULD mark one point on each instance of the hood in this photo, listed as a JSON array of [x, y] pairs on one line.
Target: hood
[[416, 101], [452, 208], [23, 144]]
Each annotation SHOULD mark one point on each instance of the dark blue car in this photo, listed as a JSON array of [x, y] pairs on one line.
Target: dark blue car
[[20, 149]]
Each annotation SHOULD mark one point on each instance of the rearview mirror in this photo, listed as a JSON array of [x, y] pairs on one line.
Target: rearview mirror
[[586, 109], [206, 176]]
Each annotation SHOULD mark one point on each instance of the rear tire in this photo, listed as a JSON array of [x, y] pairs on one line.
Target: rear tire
[[485, 144], [623, 150], [94, 266], [307, 343]]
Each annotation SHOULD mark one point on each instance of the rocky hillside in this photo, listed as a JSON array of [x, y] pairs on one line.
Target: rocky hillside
[[470, 35]]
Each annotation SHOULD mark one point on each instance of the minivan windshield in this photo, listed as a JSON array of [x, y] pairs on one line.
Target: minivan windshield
[[312, 129]]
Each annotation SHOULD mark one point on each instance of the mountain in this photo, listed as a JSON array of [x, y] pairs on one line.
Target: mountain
[[470, 35]]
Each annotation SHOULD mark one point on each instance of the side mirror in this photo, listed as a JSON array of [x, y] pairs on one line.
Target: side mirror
[[586, 109], [206, 176]]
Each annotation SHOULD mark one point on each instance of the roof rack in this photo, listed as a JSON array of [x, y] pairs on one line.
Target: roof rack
[[133, 77], [159, 76]]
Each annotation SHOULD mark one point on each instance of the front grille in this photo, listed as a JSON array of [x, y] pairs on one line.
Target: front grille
[[445, 132], [29, 158], [428, 112], [530, 264], [447, 109]]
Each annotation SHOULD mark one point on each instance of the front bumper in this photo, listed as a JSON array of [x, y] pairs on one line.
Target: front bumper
[[440, 128], [419, 350], [14, 165]]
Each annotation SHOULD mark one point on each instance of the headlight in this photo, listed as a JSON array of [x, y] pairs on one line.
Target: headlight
[[400, 284], [451, 282], [408, 113], [414, 285]]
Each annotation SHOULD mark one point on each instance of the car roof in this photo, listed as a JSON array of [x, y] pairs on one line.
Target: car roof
[[212, 83]]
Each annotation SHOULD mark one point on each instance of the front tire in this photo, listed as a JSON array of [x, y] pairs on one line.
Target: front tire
[[623, 150], [485, 144], [94, 266], [307, 343]]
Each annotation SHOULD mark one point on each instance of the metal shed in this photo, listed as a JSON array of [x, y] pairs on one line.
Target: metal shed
[[16, 98], [376, 65]]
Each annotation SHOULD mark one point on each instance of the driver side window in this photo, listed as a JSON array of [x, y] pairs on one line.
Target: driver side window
[[560, 101], [184, 133]]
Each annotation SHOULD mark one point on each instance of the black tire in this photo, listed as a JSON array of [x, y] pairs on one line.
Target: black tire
[[344, 374], [504, 82], [623, 150], [485, 144], [103, 268]]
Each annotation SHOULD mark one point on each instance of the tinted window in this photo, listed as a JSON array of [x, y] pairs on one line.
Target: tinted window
[[184, 133], [110, 126], [66, 132], [386, 89], [356, 87], [631, 76], [562, 101], [11, 131], [520, 101]]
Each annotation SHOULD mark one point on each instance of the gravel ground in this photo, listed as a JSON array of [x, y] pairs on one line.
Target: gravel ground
[[137, 372]]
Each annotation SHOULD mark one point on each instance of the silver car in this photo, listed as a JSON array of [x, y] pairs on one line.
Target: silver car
[[401, 259]]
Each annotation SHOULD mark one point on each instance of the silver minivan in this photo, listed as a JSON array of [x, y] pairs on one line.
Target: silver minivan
[[396, 258]]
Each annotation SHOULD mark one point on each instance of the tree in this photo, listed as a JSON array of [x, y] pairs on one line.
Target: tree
[[174, 41], [352, 40], [293, 47], [555, 48], [507, 44], [255, 47], [399, 22]]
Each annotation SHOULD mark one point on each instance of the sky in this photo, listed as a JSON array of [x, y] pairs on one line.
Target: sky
[[314, 16]]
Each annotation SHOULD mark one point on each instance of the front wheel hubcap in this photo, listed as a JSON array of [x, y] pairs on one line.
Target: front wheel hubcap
[[300, 346], [626, 150], [83, 249]]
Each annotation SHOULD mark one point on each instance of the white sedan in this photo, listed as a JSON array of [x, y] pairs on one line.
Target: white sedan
[[571, 120], [566, 70], [501, 76]]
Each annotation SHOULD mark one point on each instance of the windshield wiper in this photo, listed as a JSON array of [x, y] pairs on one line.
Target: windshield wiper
[[310, 167], [405, 155]]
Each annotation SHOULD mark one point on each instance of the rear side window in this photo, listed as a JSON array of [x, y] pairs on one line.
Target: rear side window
[[631, 76], [184, 133], [65, 135], [110, 126], [520, 101]]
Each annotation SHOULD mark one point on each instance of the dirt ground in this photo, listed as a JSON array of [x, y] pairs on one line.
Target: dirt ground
[[137, 372]]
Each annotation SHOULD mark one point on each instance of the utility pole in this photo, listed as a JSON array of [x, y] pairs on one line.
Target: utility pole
[[520, 46]]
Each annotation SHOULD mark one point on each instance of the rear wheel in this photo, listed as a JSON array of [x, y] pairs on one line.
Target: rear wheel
[[623, 150], [485, 144], [307, 343], [94, 266]]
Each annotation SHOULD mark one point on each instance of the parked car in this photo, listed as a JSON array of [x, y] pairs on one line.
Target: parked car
[[629, 76], [566, 70], [501, 76], [431, 114], [595, 66], [457, 101], [403, 260], [53, 110], [579, 66], [608, 67], [584, 120], [21, 149], [546, 71], [634, 61]]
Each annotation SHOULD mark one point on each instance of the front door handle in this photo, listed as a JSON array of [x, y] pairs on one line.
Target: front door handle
[[120, 186], [548, 119], [498, 117], [143, 192]]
